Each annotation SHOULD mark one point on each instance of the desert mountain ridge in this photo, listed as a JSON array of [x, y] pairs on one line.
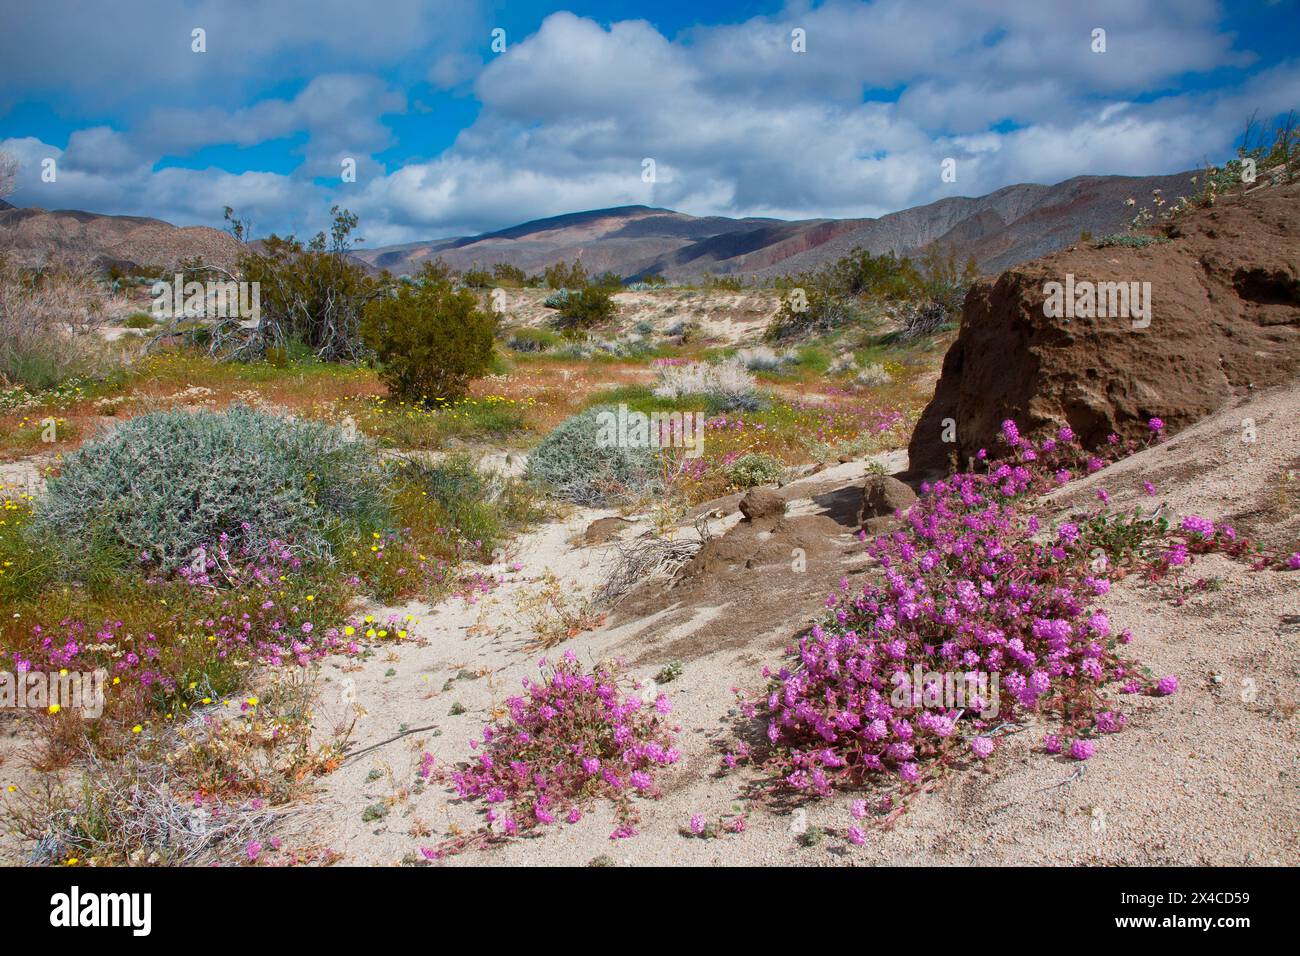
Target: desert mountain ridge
[[999, 230], [1004, 228], [33, 236]]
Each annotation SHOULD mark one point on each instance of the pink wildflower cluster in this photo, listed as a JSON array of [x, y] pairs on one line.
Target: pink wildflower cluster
[[570, 738], [1060, 458], [266, 617], [971, 585]]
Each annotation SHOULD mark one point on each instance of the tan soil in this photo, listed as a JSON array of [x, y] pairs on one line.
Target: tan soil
[[1206, 776]]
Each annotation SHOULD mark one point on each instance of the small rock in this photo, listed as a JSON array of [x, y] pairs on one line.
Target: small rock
[[762, 503], [882, 496], [604, 529]]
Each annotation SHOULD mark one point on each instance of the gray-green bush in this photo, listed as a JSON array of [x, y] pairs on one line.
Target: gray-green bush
[[169, 483], [533, 340], [578, 466], [755, 469]]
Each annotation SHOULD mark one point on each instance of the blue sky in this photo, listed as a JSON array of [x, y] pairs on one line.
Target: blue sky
[[451, 137]]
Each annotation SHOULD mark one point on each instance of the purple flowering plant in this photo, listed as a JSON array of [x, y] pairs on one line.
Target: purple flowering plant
[[973, 583], [571, 738]]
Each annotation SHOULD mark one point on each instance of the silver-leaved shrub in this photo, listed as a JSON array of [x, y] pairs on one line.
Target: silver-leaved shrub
[[578, 463], [166, 484]]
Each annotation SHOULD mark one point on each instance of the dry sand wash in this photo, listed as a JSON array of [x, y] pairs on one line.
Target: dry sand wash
[[1207, 776]]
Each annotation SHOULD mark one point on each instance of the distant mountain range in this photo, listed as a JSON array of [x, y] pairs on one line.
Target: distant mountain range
[[1000, 230]]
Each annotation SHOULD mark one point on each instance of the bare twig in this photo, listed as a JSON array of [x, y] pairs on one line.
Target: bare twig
[[646, 557], [383, 743]]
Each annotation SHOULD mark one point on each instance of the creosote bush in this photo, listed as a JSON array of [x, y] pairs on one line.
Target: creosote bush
[[579, 464], [432, 340], [931, 289], [166, 484], [580, 310], [312, 294]]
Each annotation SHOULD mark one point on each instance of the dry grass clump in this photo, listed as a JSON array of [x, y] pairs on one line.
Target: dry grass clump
[[47, 321], [554, 614], [728, 383], [216, 789]]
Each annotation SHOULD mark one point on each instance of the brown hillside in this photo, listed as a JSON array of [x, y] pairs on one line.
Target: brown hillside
[[33, 236]]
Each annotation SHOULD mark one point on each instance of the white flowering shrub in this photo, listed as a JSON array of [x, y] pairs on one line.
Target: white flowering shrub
[[762, 358], [841, 363], [873, 375], [728, 384]]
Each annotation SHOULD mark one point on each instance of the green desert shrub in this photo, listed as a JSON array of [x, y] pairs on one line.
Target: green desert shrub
[[432, 340], [609, 281], [476, 279], [169, 483], [314, 294], [480, 508], [814, 303], [754, 469], [582, 461], [1131, 240], [564, 276], [723, 283], [504, 275], [533, 340], [808, 310], [460, 496], [580, 310]]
